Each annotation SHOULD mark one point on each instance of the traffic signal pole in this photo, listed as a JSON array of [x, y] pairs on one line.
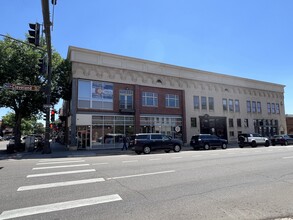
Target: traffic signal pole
[[47, 26]]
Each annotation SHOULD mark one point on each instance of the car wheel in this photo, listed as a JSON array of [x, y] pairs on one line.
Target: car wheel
[[206, 146], [138, 152], [253, 144], [241, 146], [167, 151], [267, 144], [146, 149], [286, 143], [224, 146], [177, 148]]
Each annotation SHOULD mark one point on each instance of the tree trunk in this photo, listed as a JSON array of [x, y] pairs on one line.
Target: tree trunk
[[17, 129]]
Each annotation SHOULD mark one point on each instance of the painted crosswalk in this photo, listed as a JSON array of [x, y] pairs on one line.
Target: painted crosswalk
[[16, 213], [58, 164]]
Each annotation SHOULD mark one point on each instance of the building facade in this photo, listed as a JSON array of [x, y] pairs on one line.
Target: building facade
[[289, 122], [115, 95]]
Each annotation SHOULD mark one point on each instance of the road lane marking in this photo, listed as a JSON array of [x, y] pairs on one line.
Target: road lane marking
[[16, 213], [197, 156], [143, 174], [287, 157], [61, 173], [58, 184], [176, 157], [61, 162], [155, 159], [100, 163], [63, 166], [129, 161], [58, 160]]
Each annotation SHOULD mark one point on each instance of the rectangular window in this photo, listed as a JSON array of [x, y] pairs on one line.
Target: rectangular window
[[237, 106], [196, 102], [224, 105], [253, 106], [211, 103], [231, 124], [150, 99], [273, 108], [277, 108], [246, 123], [231, 133], [172, 101], [269, 107], [248, 104], [204, 103], [126, 99], [239, 122], [231, 105], [258, 107], [193, 122], [95, 95]]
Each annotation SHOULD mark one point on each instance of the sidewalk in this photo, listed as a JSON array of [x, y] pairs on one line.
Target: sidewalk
[[59, 150]]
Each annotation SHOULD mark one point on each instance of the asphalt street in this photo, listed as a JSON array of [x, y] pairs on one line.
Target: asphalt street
[[248, 183]]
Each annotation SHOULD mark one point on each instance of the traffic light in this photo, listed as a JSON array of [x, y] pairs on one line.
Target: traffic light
[[53, 115], [42, 66], [45, 117], [34, 34]]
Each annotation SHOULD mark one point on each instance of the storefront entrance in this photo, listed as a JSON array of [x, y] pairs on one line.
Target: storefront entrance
[[213, 125]]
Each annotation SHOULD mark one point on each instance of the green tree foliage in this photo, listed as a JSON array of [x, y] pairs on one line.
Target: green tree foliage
[[28, 126], [19, 65]]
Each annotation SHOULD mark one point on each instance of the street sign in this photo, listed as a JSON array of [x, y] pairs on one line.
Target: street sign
[[47, 106], [21, 87]]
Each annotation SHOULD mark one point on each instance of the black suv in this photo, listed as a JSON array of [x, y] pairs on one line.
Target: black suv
[[207, 141], [147, 142]]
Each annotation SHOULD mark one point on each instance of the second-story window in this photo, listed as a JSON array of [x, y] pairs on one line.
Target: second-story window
[[150, 99], [277, 108], [225, 105], [237, 106], [172, 101], [126, 99], [248, 104], [211, 103], [204, 103], [273, 108], [258, 107], [253, 106], [196, 102], [231, 105], [269, 107]]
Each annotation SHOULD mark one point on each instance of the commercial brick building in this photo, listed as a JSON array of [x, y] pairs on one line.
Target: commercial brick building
[[113, 94]]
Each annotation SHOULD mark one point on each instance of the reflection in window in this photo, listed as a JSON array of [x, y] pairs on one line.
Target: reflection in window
[[172, 101], [150, 99]]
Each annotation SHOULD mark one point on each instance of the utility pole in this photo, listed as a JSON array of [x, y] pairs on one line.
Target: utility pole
[[47, 30]]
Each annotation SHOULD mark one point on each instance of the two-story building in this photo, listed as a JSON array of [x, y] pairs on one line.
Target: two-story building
[[115, 95]]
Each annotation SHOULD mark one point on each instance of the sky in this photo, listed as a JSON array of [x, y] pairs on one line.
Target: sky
[[245, 38]]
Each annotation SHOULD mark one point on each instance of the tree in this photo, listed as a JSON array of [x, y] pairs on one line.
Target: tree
[[28, 126], [19, 65]]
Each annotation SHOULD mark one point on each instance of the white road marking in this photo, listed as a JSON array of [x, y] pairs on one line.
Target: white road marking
[[58, 206], [155, 159], [60, 162], [100, 163], [176, 157], [58, 184], [143, 174], [58, 159], [197, 156], [129, 161], [287, 157], [63, 166], [61, 173]]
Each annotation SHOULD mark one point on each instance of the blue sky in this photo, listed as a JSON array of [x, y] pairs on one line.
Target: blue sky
[[245, 38]]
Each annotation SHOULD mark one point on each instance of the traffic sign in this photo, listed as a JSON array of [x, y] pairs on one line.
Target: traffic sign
[[47, 106]]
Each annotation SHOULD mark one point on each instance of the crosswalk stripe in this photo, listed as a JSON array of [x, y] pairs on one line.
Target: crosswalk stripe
[[60, 162], [61, 173], [67, 183], [63, 166], [58, 159], [58, 206]]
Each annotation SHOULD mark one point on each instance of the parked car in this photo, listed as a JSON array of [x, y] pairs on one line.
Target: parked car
[[11, 147], [207, 141], [281, 139], [147, 142], [252, 139]]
